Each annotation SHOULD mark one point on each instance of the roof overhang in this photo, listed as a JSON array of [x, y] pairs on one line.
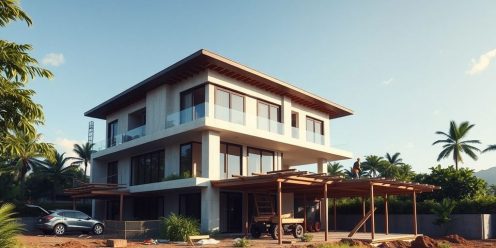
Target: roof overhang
[[203, 60]]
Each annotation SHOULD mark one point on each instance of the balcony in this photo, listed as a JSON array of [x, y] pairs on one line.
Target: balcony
[[132, 134], [230, 115], [270, 125], [316, 138], [186, 115], [295, 132]]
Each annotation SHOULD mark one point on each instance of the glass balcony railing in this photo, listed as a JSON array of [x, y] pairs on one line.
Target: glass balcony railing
[[120, 138], [295, 132], [186, 115], [270, 125], [316, 138], [230, 115]]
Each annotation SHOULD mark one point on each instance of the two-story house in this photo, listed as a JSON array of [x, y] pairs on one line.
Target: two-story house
[[206, 118]]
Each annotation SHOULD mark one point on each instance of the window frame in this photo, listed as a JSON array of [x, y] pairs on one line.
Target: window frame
[[225, 169], [193, 173], [269, 105], [230, 93], [194, 115], [261, 150], [147, 172]]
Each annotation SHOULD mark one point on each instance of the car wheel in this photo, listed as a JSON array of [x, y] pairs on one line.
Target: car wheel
[[59, 229], [298, 231], [98, 229]]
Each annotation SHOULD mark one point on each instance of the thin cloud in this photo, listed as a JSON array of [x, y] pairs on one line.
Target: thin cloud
[[387, 82], [66, 145], [483, 62], [54, 59]]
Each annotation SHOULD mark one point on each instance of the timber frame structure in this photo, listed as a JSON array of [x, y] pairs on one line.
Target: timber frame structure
[[321, 186]]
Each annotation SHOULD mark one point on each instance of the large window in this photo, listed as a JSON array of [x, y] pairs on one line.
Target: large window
[[135, 125], [230, 160], [147, 168], [269, 117], [260, 161], [192, 104], [315, 130], [112, 172], [190, 160], [229, 106], [190, 205], [112, 133]]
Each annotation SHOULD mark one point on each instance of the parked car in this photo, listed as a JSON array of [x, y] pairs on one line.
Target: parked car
[[61, 221]]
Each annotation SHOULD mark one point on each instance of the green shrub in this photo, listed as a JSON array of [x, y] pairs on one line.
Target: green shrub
[[443, 211], [178, 228], [9, 228], [242, 242], [307, 237]]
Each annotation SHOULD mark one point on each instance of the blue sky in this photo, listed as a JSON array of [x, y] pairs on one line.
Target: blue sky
[[405, 68]]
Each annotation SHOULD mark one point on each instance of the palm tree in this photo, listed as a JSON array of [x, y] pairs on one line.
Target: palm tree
[[335, 169], [57, 171], [405, 172], [490, 148], [395, 159], [26, 152], [9, 226], [373, 165], [84, 152], [455, 144], [348, 173]]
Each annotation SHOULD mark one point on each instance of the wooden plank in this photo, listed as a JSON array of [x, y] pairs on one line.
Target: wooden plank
[[279, 211], [326, 213], [372, 208], [386, 214], [245, 213], [360, 223], [414, 202]]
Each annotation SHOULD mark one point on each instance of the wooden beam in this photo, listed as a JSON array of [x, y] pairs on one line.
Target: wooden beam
[[372, 208], [326, 211], [335, 215], [360, 223], [245, 213], [386, 214], [363, 213], [121, 206], [279, 211], [414, 202], [305, 213]]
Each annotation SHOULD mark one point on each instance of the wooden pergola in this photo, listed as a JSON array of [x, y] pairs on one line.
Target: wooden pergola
[[321, 186], [98, 191]]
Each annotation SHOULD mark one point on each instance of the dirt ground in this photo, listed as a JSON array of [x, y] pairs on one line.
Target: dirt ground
[[84, 241]]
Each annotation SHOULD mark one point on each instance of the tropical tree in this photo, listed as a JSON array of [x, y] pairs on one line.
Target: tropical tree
[[405, 172], [394, 159], [335, 169], [455, 144], [26, 152], [348, 173], [373, 165], [58, 172], [9, 226], [84, 152], [490, 148]]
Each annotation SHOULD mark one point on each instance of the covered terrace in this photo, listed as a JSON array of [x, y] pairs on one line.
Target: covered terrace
[[321, 187]]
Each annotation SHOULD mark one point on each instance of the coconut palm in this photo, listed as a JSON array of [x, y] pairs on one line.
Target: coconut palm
[[454, 143], [9, 226], [490, 148], [373, 165], [84, 152], [335, 169], [57, 171], [348, 173], [395, 159], [26, 152]]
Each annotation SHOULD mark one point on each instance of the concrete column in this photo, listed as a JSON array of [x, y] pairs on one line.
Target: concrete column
[[210, 98], [286, 115], [211, 170], [321, 166], [155, 110], [251, 106]]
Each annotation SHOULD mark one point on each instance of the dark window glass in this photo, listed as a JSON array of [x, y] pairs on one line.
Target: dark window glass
[[112, 133], [192, 104], [260, 161], [112, 172], [186, 160], [294, 119], [190, 205], [147, 168], [230, 160]]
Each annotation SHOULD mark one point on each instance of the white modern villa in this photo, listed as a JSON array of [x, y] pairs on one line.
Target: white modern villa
[[205, 118]]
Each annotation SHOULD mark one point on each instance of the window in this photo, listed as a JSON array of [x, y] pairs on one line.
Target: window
[[192, 104], [147, 168], [229, 106], [269, 117], [112, 172], [112, 133], [295, 131], [230, 160], [260, 161], [315, 130], [136, 125], [148, 208], [190, 205], [190, 160]]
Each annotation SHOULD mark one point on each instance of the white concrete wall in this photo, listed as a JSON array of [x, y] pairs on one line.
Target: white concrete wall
[[155, 109]]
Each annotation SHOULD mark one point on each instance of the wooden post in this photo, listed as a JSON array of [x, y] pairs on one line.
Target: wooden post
[[335, 221], [326, 211], [279, 211], [245, 213], [414, 202], [121, 206], [73, 203], [363, 214], [372, 208], [386, 214], [305, 212]]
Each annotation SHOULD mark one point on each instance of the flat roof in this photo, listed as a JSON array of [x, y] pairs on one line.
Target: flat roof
[[204, 59]]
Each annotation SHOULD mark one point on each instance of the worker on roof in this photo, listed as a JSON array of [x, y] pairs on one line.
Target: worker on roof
[[356, 169]]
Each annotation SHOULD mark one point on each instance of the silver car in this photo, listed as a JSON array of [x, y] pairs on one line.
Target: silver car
[[61, 221]]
